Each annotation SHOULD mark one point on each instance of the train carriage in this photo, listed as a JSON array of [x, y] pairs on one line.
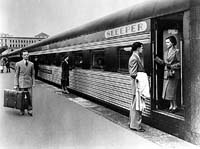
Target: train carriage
[[99, 52]]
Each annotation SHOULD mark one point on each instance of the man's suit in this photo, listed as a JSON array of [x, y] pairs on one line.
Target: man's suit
[[135, 65], [25, 77]]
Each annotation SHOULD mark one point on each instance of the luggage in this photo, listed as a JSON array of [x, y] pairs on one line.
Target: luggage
[[16, 99], [1, 68]]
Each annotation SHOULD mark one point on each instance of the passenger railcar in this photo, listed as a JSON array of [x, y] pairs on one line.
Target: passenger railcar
[[99, 52]]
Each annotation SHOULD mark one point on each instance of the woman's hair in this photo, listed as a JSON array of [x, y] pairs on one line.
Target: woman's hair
[[136, 45], [172, 39]]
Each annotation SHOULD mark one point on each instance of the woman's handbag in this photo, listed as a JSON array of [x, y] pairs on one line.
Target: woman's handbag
[[171, 73]]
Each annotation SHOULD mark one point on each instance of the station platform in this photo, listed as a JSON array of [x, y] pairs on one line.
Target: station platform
[[68, 121]]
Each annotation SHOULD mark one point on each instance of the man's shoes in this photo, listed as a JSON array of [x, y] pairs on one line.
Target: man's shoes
[[30, 113], [21, 113], [138, 130]]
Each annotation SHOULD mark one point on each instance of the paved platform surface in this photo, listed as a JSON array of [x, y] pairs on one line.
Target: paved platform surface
[[67, 121]]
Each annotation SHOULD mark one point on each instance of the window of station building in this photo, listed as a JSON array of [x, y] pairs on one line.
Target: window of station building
[[124, 54], [78, 59], [98, 59]]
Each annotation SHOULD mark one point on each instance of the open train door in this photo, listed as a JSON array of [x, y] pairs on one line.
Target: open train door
[[164, 27]]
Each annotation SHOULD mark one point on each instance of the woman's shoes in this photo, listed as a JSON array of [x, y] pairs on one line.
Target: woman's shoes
[[174, 110], [170, 109], [65, 92], [138, 130], [23, 112]]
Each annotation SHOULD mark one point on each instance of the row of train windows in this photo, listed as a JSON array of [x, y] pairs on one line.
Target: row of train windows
[[112, 59]]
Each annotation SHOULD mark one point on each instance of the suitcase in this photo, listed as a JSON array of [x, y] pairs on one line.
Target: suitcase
[[16, 99]]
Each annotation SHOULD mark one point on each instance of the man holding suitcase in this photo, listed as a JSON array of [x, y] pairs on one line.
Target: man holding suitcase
[[25, 79]]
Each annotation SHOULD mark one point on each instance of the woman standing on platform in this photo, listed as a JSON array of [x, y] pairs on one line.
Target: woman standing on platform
[[135, 65], [65, 75]]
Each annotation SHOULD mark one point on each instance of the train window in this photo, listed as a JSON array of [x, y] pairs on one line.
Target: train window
[[124, 54], [98, 59], [78, 59], [57, 59], [47, 59], [42, 59]]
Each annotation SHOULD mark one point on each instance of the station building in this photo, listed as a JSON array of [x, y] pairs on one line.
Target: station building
[[11, 43]]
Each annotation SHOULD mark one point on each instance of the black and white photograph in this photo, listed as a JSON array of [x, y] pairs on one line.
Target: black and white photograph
[[99, 74]]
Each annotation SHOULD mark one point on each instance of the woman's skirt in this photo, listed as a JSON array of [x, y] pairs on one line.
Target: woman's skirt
[[65, 82]]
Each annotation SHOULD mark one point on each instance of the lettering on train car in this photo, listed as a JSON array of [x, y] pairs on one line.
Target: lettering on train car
[[127, 29], [46, 70]]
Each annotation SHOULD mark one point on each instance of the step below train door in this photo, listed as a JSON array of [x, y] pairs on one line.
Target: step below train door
[[163, 27]]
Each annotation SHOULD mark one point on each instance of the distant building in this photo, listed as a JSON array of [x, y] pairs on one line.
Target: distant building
[[5, 35], [12, 42], [41, 35]]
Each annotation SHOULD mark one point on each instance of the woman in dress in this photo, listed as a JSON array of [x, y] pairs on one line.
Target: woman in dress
[[65, 75], [172, 67]]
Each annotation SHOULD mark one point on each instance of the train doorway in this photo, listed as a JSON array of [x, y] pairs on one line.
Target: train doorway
[[164, 27]]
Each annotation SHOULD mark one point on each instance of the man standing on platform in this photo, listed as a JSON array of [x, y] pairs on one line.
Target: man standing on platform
[[25, 78], [36, 67]]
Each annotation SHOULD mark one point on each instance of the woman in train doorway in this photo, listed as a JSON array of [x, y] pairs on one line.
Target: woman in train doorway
[[135, 65], [172, 67], [65, 75]]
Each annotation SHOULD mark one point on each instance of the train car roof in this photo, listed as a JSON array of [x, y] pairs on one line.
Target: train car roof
[[144, 10]]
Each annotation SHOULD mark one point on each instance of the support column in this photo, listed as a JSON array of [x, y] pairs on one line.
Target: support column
[[191, 74]]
